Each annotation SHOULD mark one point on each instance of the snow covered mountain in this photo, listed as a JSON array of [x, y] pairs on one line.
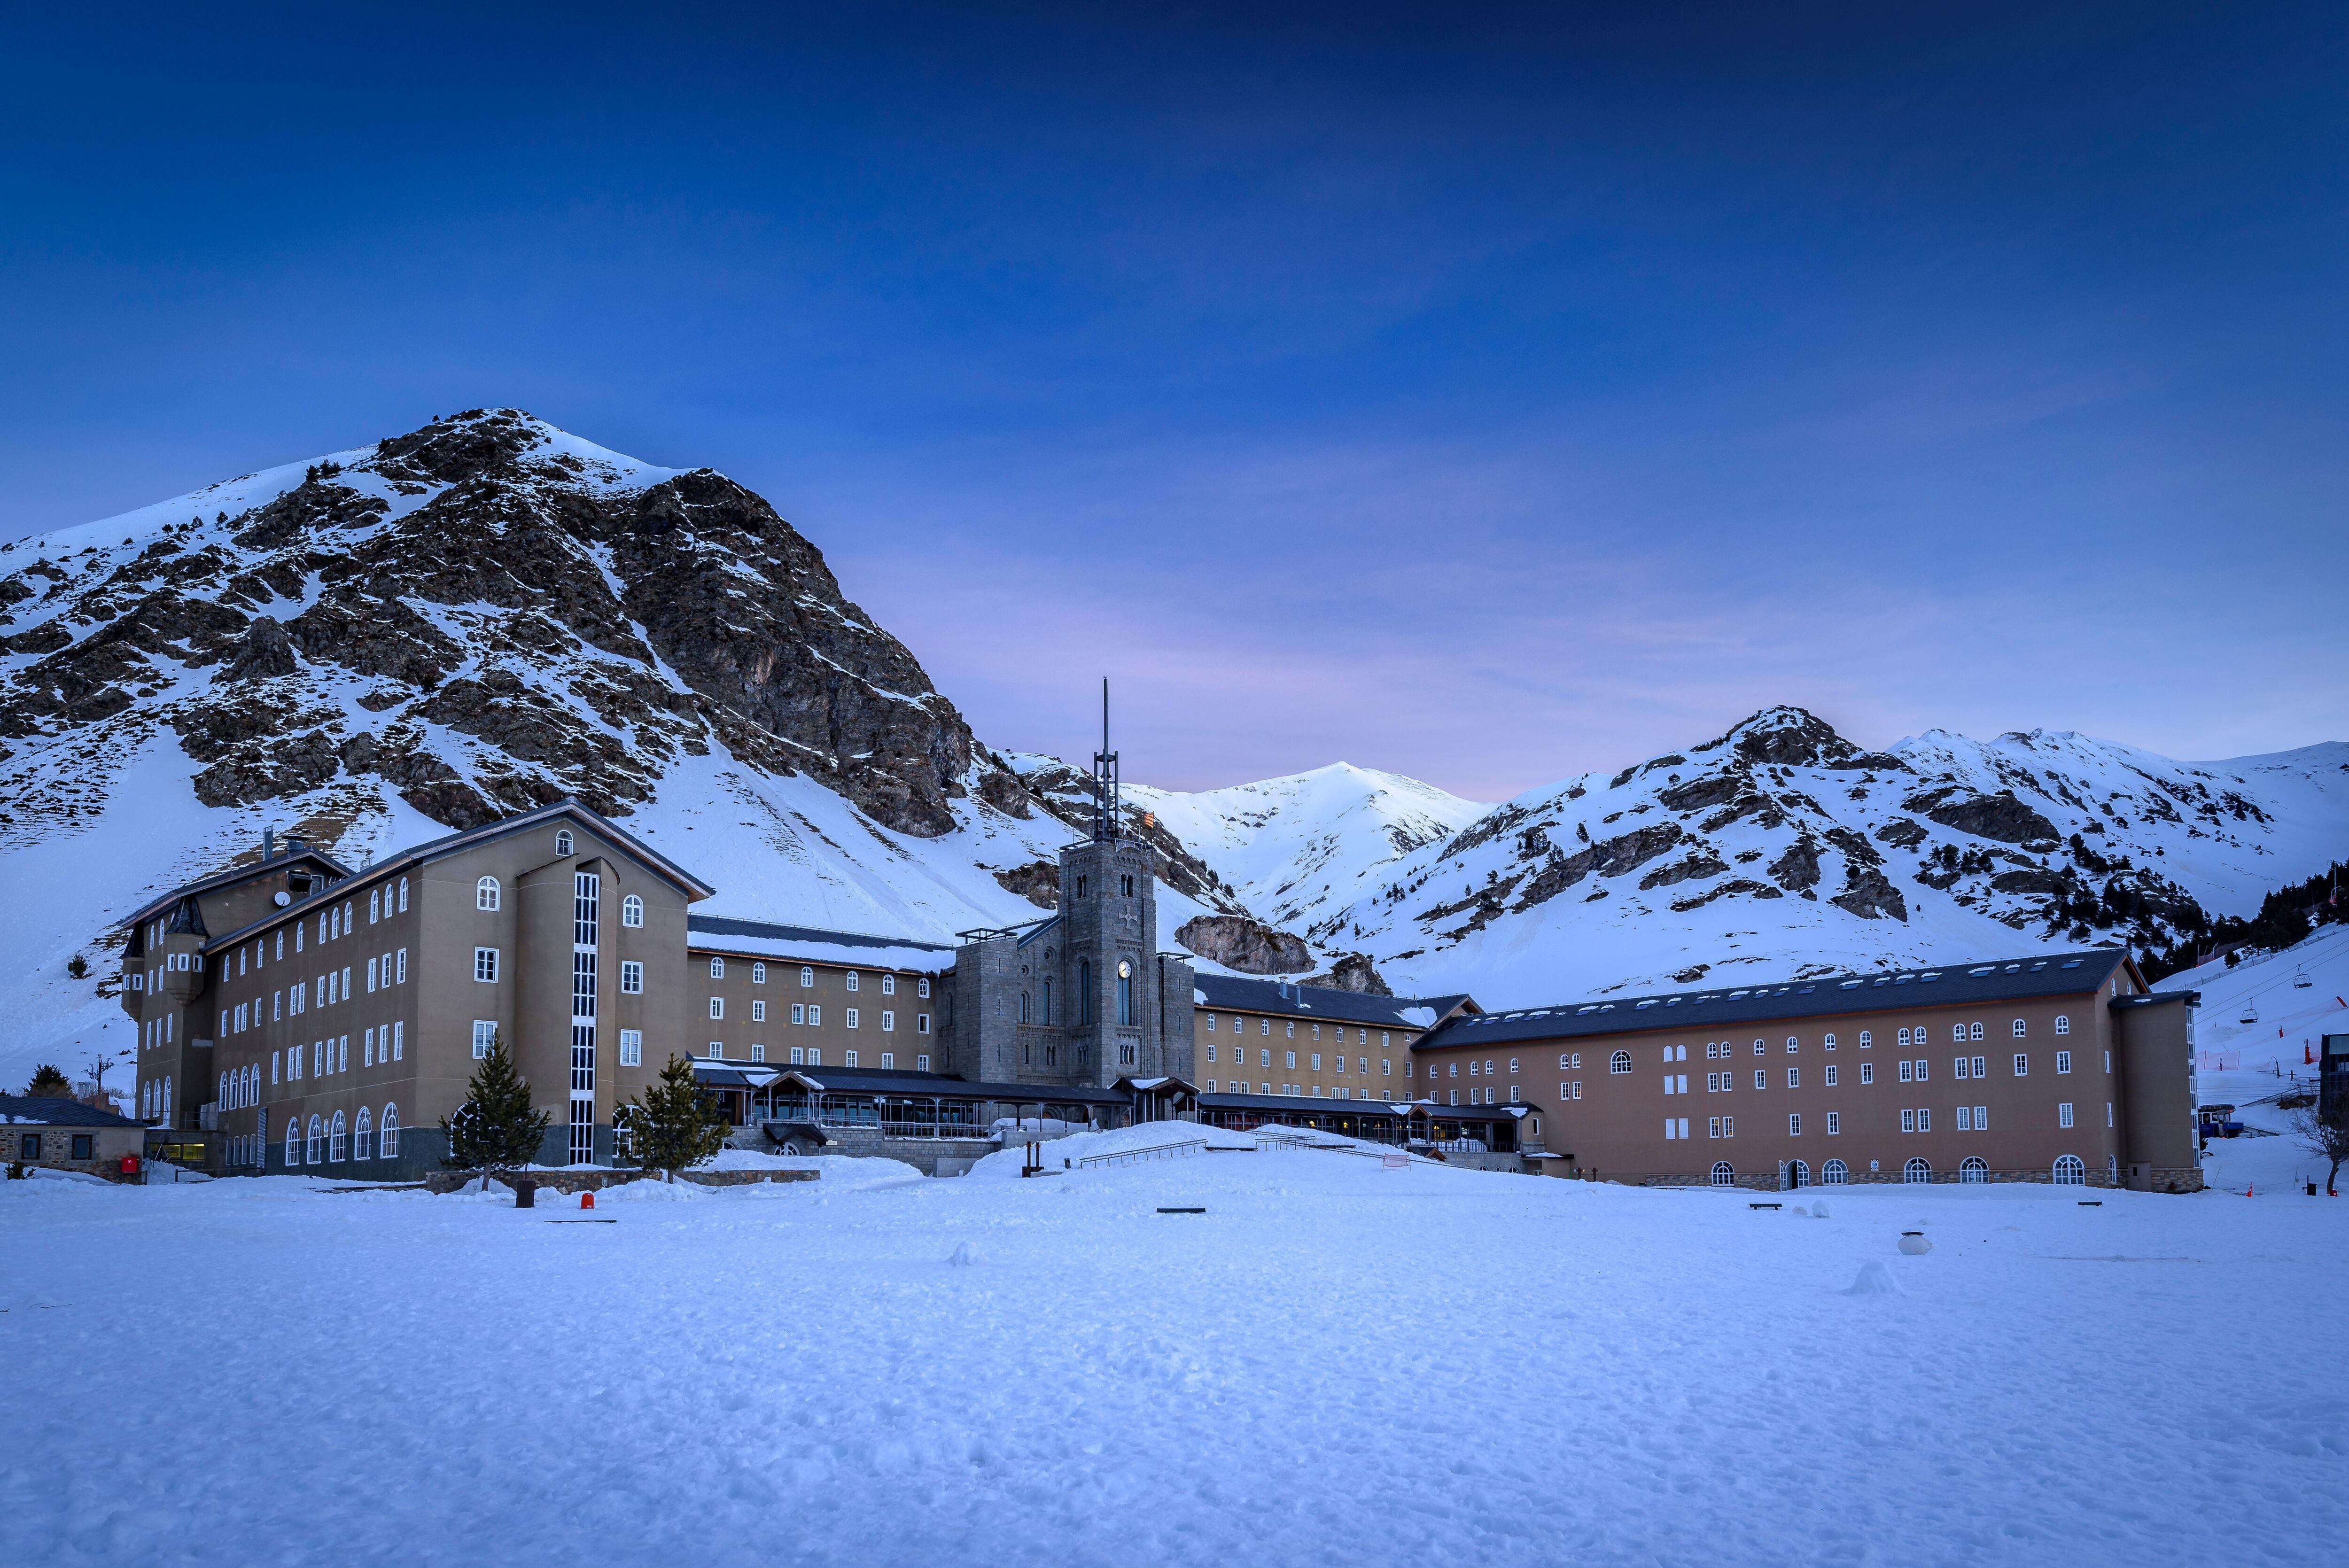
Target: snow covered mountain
[[488, 613], [1781, 848]]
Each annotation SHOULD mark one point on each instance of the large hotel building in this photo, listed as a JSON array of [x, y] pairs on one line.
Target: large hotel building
[[297, 1014]]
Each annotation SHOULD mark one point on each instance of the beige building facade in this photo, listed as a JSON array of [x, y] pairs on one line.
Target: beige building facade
[[346, 1019], [2058, 1068]]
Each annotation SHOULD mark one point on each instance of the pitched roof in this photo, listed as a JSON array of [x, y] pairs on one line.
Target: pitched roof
[[899, 1084], [1237, 994], [449, 843], [1694, 1010], [234, 874], [40, 1110]]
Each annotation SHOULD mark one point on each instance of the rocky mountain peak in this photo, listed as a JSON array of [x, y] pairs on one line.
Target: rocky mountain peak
[[1790, 737], [480, 615]]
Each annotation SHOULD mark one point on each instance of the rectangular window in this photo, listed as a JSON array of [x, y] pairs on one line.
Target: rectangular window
[[1924, 1121], [815, 1015], [815, 1055], [1728, 1124], [717, 1050], [485, 964], [1920, 1069], [1317, 1061], [1905, 1072], [1712, 1123], [1981, 1067], [273, 1067], [848, 1020], [371, 974], [1386, 1067], [1835, 1122], [1760, 1079], [922, 1064], [758, 1012], [401, 965], [717, 1007], [799, 1012], [1965, 1119], [2064, 1114], [1793, 1077], [848, 1059], [921, 1023], [632, 1048], [1907, 1121], [1794, 1124], [399, 1039], [1868, 1072], [888, 1021], [484, 1031], [2063, 1061], [632, 977], [2022, 1065], [797, 1056], [1831, 1075]]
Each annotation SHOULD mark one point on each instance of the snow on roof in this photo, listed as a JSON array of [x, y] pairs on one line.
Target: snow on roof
[[811, 945]]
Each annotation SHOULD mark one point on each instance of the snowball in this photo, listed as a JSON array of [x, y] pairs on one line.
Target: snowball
[[1915, 1246], [1875, 1278], [965, 1255], [1819, 1211], [1803, 1212]]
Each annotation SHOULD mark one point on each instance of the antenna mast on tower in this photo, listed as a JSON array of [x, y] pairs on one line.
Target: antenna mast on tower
[[1105, 794]]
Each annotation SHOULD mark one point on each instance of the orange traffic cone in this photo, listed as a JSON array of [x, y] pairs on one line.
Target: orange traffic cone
[[2248, 1192]]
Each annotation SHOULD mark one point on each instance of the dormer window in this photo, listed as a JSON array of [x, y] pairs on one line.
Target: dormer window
[[562, 842], [485, 893]]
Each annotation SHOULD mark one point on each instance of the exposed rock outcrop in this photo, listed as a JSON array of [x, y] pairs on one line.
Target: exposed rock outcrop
[[1353, 972], [1243, 943]]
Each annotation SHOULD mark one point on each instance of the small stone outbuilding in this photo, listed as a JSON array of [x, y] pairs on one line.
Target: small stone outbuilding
[[66, 1135]]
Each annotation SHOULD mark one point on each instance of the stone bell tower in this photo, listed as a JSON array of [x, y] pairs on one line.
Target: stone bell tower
[[1132, 1009]]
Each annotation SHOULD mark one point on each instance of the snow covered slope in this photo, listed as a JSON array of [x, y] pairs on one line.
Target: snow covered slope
[[1780, 849]]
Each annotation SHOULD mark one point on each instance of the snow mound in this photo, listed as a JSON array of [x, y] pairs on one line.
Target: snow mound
[[1874, 1279]]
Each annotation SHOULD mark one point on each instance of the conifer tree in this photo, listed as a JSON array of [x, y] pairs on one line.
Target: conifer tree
[[497, 1128], [49, 1083], [676, 1123]]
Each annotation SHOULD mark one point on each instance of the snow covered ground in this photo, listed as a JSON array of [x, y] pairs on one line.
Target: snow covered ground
[[1336, 1363]]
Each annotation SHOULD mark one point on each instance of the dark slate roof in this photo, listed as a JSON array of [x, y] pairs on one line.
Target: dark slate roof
[[1296, 1102], [161, 902], [1701, 1009], [765, 930], [1240, 994], [44, 1111], [897, 1083]]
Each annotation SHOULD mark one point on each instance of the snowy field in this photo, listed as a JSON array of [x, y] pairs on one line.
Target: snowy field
[[1336, 1363]]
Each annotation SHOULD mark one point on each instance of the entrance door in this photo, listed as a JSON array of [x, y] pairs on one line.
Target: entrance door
[[1799, 1175]]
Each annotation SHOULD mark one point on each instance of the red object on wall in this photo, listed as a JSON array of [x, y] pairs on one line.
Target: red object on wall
[[587, 1200], [130, 1165]]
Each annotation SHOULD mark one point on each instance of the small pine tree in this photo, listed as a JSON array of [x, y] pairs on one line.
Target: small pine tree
[[676, 1123], [49, 1083], [497, 1128], [78, 966]]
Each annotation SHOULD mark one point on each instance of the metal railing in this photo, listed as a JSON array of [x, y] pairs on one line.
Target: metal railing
[[1189, 1146]]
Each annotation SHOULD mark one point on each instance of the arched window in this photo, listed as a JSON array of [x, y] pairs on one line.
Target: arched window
[[563, 841], [807, 975], [1023, 1007], [1834, 1174], [1124, 992], [1724, 1174], [165, 1108], [1048, 1003], [362, 1135], [317, 1141], [391, 1138], [1916, 1170], [222, 1100], [1620, 1062], [717, 969], [632, 910], [2063, 1024], [2070, 1171], [758, 974], [293, 1141], [1799, 1175], [485, 893], [253, 1084], [1975, 1168]]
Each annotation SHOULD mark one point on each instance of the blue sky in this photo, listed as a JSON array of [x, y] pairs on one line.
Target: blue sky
[[1485, 402]]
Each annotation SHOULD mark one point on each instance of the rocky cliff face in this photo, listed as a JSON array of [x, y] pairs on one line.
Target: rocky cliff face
[[482, 614]]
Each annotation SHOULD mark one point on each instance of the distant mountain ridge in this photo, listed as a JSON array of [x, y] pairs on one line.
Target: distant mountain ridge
[[488, 613]]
